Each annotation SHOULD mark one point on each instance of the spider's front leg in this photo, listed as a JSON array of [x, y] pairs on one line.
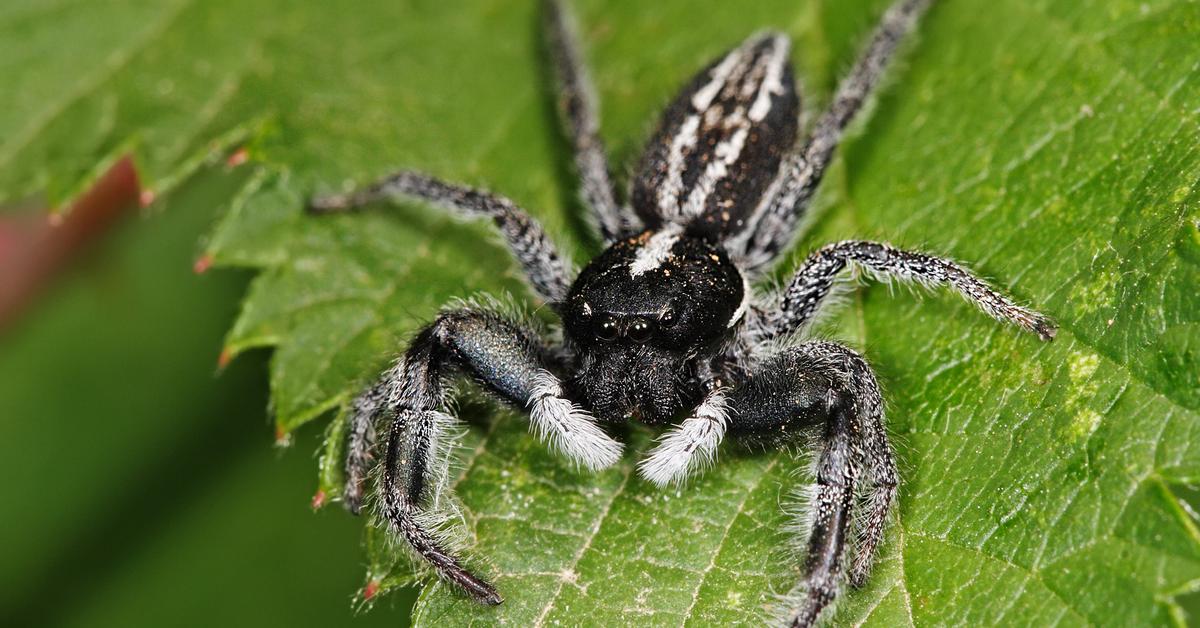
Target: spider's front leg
[[825, 384], [814, 281], [691, 445], [509, 361]]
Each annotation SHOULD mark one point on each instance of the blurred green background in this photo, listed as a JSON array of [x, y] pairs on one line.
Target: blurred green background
[[141, 485]]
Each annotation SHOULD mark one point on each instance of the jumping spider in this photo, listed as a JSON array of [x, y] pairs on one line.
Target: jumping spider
[[664, 323]]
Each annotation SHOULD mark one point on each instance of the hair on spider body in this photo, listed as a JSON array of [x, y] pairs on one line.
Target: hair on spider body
[[664, 326]]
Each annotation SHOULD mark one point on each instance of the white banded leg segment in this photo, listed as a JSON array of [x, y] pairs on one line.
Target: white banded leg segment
[[566, 427], [691, 445]]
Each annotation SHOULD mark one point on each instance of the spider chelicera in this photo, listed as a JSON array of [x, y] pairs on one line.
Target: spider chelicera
[[664, 326]]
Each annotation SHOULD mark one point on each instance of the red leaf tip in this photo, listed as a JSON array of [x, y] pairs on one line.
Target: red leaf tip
[[202, 264], [237, 157], [225, 358], [318, 500], [370, 590], [146, 197]]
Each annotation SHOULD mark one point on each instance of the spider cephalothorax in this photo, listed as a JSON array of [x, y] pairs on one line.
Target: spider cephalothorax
[[664, 326], [651, 304]]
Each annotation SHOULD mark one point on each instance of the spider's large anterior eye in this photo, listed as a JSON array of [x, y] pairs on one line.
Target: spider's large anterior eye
[[668, 318], [606, 328], [640, 330]]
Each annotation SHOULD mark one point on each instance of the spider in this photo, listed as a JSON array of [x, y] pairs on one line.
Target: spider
[[664, 326]]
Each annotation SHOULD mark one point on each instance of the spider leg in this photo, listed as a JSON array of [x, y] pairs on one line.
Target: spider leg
[[836, 477], [815, 279], [360, 448], [801, 173], [506, 360], [689, 446], [548, 272], [403, 490], [577, 100], [826, 384], [882, 478]]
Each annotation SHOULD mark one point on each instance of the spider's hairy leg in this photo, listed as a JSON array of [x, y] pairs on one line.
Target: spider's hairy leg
[[360, 447], [801, 173], [545, 268], [815, 279], [690, 445], [577, 101], [837, 474], [882, 477], [403, 490], [825, 384], [507, 360]]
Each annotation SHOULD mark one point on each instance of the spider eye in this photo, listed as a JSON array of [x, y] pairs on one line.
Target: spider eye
[[640, 330], [668, 318], [606, 328]]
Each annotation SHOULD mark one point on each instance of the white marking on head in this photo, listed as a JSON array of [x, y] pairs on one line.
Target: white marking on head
[[566, 427], [691, 445], [773, 79], [743, 306], [587, 308], [654, 252]]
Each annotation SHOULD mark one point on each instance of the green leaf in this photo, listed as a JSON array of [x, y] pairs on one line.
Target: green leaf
[[1051, 145]]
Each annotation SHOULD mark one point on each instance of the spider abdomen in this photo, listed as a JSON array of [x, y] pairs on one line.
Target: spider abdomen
[[720, 143]]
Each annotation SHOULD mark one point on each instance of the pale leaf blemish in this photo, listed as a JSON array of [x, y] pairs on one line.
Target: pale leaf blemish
[[1091, 296], [1082, 366], [1081, 370], [1084, 423]]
